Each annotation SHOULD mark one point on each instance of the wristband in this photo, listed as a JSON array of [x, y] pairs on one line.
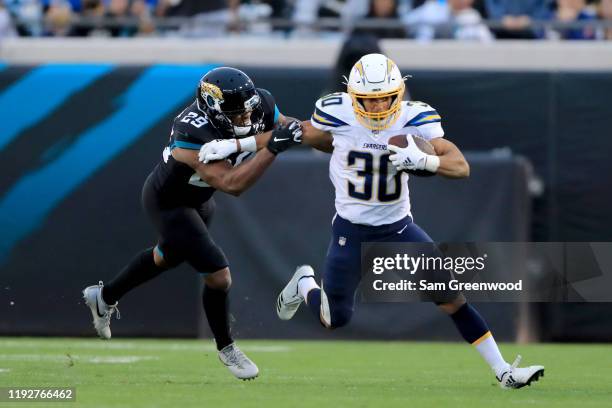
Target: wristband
[[248, 144], [432, 162]]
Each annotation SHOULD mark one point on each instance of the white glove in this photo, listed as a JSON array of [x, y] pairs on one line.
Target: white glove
[[217, 150], [412, 158]]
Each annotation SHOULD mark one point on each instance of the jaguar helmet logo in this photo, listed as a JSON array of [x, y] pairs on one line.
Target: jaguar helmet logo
[[212, 94]]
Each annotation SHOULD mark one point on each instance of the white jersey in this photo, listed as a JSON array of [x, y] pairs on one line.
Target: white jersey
[[369, 189]]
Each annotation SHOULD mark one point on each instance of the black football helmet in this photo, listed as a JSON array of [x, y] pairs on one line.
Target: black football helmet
[[225, 92]]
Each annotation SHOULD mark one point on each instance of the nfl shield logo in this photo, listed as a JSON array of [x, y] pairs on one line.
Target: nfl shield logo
[[342, 241]]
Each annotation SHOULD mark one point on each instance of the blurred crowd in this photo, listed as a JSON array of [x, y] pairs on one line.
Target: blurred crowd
[[424, 20]]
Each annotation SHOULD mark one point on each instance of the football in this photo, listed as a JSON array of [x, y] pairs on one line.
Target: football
[[422, 144]]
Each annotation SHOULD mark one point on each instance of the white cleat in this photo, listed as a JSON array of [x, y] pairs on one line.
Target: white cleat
[[100, 311], [238, 363], [290, 297], [515, 377]]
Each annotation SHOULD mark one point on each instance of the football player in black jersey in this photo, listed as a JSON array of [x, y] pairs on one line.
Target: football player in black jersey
[[177, 197]]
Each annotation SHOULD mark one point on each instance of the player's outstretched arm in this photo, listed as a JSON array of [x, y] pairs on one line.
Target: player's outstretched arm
[[452, 161], [222, 176], [255, 143], [316, 138], [235, 180], [311, 136], [263, 139], [221, 148]]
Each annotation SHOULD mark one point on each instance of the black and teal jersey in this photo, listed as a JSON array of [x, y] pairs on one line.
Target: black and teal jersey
[[177, 184]]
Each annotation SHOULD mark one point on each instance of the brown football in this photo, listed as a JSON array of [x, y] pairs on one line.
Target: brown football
[[422, 144]]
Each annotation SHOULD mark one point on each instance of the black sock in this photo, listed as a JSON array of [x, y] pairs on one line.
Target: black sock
[[469, 323], [216, 306], [140, 269], [314, 302]]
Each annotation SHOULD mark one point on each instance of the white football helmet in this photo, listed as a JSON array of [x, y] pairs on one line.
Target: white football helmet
[[376, 76]]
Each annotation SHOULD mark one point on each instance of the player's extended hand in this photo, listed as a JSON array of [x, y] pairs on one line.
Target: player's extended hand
[[217, 150], [409, 157], [285, 137]]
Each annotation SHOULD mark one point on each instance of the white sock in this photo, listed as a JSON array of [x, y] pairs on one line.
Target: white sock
[[488, 349], [305, 285]]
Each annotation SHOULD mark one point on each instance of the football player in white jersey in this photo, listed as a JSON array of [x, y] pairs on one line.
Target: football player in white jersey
[[372, 199]]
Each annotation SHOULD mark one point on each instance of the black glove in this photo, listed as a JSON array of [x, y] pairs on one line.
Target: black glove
[[285, 137]]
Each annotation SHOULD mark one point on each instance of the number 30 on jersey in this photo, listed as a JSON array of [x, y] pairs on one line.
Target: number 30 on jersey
[[366, 162]]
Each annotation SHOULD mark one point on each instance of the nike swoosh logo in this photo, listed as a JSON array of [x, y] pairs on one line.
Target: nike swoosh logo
[[402, 230], [280, 140]]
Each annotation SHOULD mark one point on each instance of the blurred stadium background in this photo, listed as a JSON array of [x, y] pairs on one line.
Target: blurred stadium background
[[88, 89]]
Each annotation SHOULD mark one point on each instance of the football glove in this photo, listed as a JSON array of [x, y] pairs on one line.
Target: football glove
[[218, 149], [285, 137], [412, 158]]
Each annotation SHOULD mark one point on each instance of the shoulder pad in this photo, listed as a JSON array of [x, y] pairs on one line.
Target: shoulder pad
[[270, 110], [192, 129], [265, 94], [334, 110], [420, 113]]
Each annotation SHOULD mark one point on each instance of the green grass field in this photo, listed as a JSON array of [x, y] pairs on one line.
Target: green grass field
[[186, 373]]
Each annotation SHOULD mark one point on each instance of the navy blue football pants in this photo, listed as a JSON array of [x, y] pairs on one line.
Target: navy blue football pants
[[342, 272]]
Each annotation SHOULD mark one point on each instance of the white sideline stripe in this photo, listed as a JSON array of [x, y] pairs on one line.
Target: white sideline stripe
[[84, 359], [124, 345], [5, 370]]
